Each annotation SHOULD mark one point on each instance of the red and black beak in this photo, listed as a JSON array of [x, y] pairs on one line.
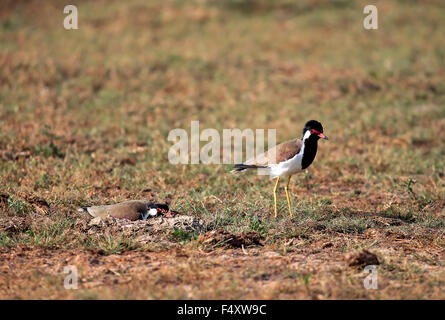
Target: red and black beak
[[321, 135]]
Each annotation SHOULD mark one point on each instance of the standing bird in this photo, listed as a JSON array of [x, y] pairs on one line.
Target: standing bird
[[287, 158]]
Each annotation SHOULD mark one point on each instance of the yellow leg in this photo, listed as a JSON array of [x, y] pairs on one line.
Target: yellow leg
[[275, 196], [287, 195]]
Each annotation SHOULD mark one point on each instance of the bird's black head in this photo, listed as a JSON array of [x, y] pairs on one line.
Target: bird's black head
[[315, 128]]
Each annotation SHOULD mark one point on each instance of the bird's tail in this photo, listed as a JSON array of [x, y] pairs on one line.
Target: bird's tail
[[243, 167]]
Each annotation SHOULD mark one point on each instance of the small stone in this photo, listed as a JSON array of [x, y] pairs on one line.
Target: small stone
[[271, 254], [96, 222], [327, 245], [363, 258]]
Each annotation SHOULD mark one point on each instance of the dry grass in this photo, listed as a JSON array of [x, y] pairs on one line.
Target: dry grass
[[85, 116]]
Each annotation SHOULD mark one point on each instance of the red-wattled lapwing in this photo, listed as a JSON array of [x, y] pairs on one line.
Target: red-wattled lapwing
[[131, 210], [287, 158]]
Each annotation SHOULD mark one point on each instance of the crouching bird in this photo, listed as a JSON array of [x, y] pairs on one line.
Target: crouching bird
[[287, 158], [131, 210]]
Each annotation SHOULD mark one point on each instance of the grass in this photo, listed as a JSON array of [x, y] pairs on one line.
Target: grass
[[183, 236], [85, 116]]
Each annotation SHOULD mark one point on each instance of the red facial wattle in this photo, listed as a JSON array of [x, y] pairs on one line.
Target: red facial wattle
[[320, 134]]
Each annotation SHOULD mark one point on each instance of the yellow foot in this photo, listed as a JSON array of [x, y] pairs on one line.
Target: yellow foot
[[275, 196], [287, 196]]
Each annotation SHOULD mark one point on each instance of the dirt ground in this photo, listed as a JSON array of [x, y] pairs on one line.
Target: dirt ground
[[240, 266], [315, 272]]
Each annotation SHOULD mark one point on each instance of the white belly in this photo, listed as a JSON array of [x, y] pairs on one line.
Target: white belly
[[287, 168]]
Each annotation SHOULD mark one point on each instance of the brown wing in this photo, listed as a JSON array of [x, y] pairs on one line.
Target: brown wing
[[282, 152], [131, 210]]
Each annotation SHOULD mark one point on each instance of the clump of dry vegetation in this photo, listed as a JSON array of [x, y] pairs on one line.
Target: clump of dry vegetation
[[85, 114]]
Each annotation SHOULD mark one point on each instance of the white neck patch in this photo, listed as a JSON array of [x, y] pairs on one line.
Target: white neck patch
[[307, 134]]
